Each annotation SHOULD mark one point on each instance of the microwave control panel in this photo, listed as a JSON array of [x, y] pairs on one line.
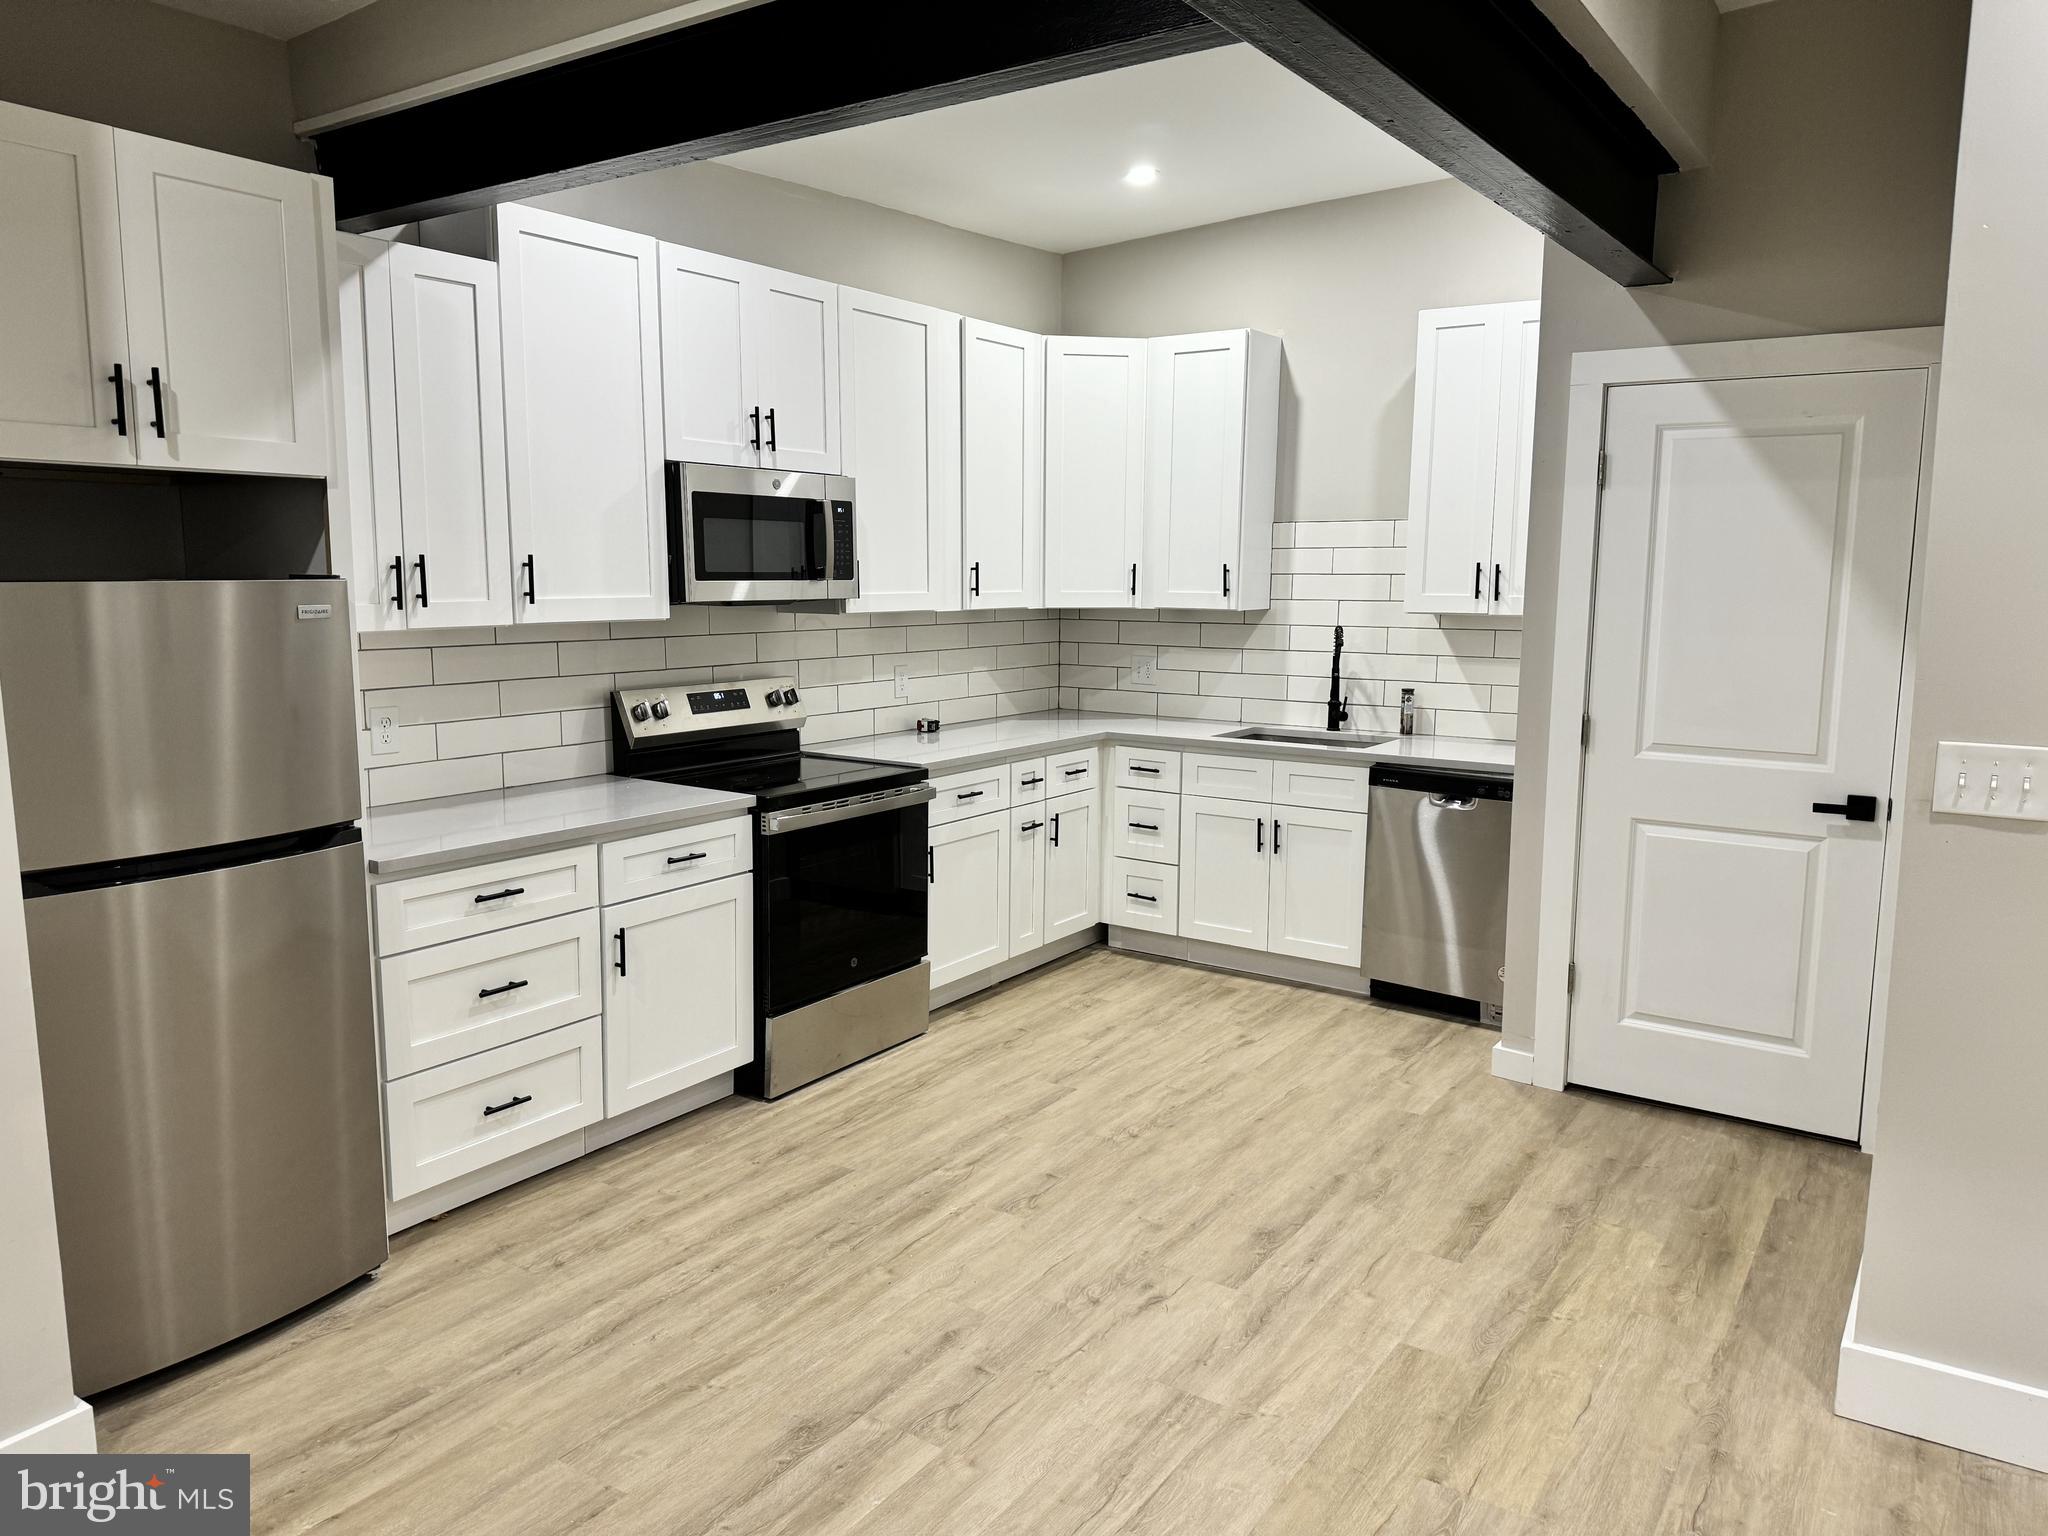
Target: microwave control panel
[[650, 714], [843, 566]]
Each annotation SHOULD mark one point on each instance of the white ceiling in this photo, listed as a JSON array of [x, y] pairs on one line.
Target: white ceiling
[[1231, 132], [273, 18]]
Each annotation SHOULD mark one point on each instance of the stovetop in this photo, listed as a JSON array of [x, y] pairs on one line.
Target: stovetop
[[797, 778]]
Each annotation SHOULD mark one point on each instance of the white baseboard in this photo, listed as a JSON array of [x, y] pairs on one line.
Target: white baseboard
[[70, 1433], [1515, 1063], [1985, 1415]]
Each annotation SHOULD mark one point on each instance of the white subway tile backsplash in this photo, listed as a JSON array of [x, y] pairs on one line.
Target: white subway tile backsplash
[[491, 663], [508, 733], [396, 669], [421, 781], [613, 655], [437, 702], [551, 763]]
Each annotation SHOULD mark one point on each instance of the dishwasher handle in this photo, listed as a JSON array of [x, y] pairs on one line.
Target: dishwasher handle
[[1453, 802]]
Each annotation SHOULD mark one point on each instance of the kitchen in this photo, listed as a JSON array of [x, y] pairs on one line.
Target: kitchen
[[986, 643]]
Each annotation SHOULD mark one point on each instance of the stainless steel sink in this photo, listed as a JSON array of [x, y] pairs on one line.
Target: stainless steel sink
[[1343, 741]]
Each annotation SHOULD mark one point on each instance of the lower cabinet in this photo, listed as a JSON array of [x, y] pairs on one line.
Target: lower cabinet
[[678, 991], [1224, 852], [1027, 879], [1284, 879], [1073, 864], [968, 863], [1011, 881]]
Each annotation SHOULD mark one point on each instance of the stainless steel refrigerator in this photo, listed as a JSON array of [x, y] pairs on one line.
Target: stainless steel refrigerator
[[184, 777]]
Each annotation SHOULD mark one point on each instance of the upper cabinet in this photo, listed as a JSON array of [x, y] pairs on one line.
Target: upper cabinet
[[750, 364], [1468, 487], [1094, 471], [1002, 465], [163, 303], [581, 330], [1212, 432], [899, 371]]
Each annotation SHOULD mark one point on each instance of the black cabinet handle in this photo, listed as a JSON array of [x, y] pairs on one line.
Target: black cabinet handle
[[1226, 578], [1262, 835], [1056, 831], [1073, 773], [1478, 579], [1852, 808], [1141, 768], [1276, 836], [1139, 896], [1031, 783], [419, 565], [687, 858], [528, 564], [510, 986], [156, 396], [620, 963], [1134, 578], [1142, 826], [771, 429], [510, 890], [755, 413], [514, 1102], [969, 794], [398, 582], [1031, 826], [974, 579], [1496, 581], [120, 400], [931, 867]]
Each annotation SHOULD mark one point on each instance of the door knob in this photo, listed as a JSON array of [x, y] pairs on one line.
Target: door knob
[[1851, 807]]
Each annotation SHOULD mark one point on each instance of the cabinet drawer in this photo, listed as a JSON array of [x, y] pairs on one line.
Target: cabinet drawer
[[457, 903], [671, 859], [454, 1119], [1027, 781], [975, 792], [1146, 825], [1068, 773], [1145, 768], [1229, 777], [453, 1000], [1143, 896], [1321, 786]]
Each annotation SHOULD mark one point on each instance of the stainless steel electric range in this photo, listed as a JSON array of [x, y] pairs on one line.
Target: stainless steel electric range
[[840, 888]]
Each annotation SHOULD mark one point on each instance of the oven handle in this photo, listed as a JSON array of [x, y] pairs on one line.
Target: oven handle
[[776, 822]]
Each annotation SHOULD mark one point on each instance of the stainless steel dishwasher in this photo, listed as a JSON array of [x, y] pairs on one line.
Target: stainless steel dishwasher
[[1436, 888]]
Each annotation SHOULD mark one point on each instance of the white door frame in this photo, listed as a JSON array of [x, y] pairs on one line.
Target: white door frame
[[1593, 375]]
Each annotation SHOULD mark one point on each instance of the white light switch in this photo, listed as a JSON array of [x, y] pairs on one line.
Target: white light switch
[[1977, 778]]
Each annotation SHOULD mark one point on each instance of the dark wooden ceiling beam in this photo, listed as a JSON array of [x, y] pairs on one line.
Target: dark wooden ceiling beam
[[1490, 91]]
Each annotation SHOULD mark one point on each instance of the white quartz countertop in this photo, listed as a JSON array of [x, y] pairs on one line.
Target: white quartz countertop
[[988, 741], [457, 829]]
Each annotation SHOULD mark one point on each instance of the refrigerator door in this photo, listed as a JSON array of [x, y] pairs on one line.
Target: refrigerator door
[[210, 1072], [148, 717]]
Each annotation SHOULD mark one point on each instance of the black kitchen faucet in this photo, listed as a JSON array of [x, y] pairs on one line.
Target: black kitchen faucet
[[1339, 710]]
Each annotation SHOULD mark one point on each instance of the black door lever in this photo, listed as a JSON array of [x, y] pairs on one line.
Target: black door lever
[[1852, 807]]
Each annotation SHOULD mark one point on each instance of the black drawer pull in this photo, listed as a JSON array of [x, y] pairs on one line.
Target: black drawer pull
[[514, 1102], [1142, 826], [1031, 826], [510, 986], [1073, 773], [1141, 768], [1031, 783], [969, 794], [510, 890], [687, 858], [1140, 896]]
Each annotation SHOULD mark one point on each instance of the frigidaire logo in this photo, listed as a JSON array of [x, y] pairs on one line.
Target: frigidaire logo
[[201, 1495]]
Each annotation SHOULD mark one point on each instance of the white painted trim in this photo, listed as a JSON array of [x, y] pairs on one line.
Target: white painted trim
[[1985, 1415], [70, 1433], [665, 20], [1513, 1064], [1593, 374]]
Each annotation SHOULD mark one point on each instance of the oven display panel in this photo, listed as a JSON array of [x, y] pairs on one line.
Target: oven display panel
[[718, 700]]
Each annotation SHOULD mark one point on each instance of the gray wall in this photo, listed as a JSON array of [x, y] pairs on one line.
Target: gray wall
[[1826, 209], [151, 69]]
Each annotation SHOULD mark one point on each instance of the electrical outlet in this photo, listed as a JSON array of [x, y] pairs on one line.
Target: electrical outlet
[[902, 682], [383, 733], [1143, 672]]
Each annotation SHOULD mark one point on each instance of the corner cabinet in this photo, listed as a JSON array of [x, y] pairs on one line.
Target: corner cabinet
[[899, 394], [1468, 487], [1002, 466], [581, 330], [1094, 471]]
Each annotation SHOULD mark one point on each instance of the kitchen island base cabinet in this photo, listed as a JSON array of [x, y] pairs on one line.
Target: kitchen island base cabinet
[[969, 871], [679, 991]]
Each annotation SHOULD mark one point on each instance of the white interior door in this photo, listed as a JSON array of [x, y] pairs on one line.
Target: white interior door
[[1002, 465], [678, 990], [1451, 459], [450, 403], [1225, 864], [1755, 548], [1316, 909], [62, 313], [1194, 469], [796, 332], [709, 392], [970, 896], [221, 264], [370, 430], [1073, 864], [1094, 471], [1516, 436]]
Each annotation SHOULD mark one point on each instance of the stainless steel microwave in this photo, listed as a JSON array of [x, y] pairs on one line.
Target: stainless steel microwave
[[759, 535]]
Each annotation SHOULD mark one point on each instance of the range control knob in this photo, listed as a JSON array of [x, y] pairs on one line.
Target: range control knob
[[789, 696], [661, 709], [776, 696], [639, 712]]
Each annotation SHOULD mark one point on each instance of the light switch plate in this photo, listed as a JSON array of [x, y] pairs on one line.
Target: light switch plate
[[383, 734], [1977, 778]]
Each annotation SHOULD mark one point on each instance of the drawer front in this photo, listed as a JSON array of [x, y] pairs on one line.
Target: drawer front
[[453, 1000], [1145, 768], [679, 856], [454, 1119], [1321, 786], [975, 792], [1226, 777], [1143, 896], [1068, 773], [1146, 825], [1027, 781], [482, 898]]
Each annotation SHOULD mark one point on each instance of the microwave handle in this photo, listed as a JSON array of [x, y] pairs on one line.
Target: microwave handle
[[819, 545]]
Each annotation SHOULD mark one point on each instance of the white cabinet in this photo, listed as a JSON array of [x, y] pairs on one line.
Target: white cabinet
[[1027, 878], [678, 991], [899, 370], [1213, 409], [370, 433], [1002, 465], [1316, 909], [750, 364], [583, 417], [1224, 871], [1094, 471], [969, 871], [1468, 476], [1073, 864]]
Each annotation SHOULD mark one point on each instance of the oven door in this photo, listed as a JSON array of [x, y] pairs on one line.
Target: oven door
[[843, 896], [758, 535]]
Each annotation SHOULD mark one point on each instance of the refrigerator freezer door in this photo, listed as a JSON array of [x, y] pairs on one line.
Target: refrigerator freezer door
[[209, 1066], [150, 717]]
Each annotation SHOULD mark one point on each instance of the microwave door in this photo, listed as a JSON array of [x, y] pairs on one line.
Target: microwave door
[[750, 538]]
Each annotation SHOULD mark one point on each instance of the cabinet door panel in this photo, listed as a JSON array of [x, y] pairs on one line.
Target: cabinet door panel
[[1073, 864], [707, 365], [1516, 435], [678, 990], [1002, 465], [1318, 885], [1224, 869], [1094, 470], [796, 331], [583, 418], [62, 312], [970, 897], [1027, 879], [221, 267], [370, 434], [1451, 461], [1194, 468]]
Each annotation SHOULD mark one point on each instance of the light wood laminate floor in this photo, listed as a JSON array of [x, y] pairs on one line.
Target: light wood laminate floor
[[1122, 1246]]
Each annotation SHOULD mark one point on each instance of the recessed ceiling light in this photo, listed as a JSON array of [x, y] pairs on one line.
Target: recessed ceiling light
[[1141, 175]]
